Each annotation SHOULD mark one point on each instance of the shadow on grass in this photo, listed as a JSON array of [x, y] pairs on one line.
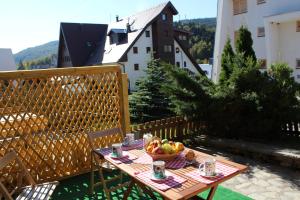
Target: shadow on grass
[[77, 188]]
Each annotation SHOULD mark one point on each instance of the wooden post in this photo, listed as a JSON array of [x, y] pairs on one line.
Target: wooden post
[[125, 106]]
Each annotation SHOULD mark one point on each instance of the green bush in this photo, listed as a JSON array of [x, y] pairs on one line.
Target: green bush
[[253, 105]]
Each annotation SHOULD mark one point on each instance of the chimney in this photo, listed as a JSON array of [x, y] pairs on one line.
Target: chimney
[[117, 18], [128, 28]]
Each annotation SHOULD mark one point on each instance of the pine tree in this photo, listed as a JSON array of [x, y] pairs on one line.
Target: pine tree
[[189, 93], [244, 43], [21, 65], [226, 62], [149, 102]]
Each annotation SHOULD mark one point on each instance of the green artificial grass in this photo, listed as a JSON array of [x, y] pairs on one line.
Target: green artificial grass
[[78, 188]]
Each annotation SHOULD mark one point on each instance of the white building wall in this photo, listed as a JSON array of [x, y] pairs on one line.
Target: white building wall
[[282, 38], [7, 62], [142, 58], [289, 43], [181, 57]]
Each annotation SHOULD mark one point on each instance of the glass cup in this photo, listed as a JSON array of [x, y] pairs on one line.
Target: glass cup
[[130, 138], [147, 137], [117, 150], [158, 169], [208, 167]]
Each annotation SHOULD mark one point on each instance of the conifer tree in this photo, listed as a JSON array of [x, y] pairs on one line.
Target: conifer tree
[[149, 102], [244, 43], [226, 62]]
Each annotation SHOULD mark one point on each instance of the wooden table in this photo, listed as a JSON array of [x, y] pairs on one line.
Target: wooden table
[[187, 190]]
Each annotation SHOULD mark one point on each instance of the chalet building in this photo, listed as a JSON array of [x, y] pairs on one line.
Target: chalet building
[[129, 41], [275, 29]]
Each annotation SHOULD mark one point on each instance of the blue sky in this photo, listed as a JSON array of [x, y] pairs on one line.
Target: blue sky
[[27, 23]]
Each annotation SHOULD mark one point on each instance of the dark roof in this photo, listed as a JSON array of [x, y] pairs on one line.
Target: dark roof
[[182, 31], [187, 53], [85, 42], [117, 30]]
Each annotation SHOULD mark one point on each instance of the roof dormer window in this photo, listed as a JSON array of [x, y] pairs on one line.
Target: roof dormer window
[[164, 17], [118, 36]]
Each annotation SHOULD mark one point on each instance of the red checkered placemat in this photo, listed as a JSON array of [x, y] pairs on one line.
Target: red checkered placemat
[[177, 163], [171, 182], [128, 157], [221, 168], [137, 145], [144, 159]]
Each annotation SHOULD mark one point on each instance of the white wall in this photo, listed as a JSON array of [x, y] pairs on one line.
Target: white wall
[[289, 43], [223, 30], [7, 62], [207, 68], [181, 57], [141, 58], [265, 47]]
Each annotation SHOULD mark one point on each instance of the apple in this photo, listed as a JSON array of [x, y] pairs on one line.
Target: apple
[[164, 141], [167, 148], [157, 150]]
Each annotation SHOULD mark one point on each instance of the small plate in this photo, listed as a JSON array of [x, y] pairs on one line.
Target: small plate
[[127, 145], [216, 175], [193, 162], [114, 157], [167, 177]]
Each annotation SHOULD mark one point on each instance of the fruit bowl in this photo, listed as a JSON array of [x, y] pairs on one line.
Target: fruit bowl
[[163, 149], [164, 157]]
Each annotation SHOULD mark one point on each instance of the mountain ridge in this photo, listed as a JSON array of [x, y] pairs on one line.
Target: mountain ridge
[[37, 52]]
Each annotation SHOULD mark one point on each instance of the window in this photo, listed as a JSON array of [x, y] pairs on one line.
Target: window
[[239, 6], [135, 50], [298, 26], [184, 64], [178, 64], [184, 37], [261, 1], [263, 63], [148, 49], [167, 48], [180, 37], [164, 17], [298, 76], [66, 59], [261, 32], [147, 33], [136, 67], [298, 64], [177, 49]]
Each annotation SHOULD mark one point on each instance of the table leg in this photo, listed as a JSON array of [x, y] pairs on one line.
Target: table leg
[[92, 175], [130, 186], [212, 192], [146, 190]]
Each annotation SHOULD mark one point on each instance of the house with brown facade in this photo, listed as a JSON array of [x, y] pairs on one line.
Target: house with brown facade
[[129, 41]]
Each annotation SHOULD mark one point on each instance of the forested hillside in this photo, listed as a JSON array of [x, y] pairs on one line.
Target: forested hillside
[[37, 52], [202, 38]]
